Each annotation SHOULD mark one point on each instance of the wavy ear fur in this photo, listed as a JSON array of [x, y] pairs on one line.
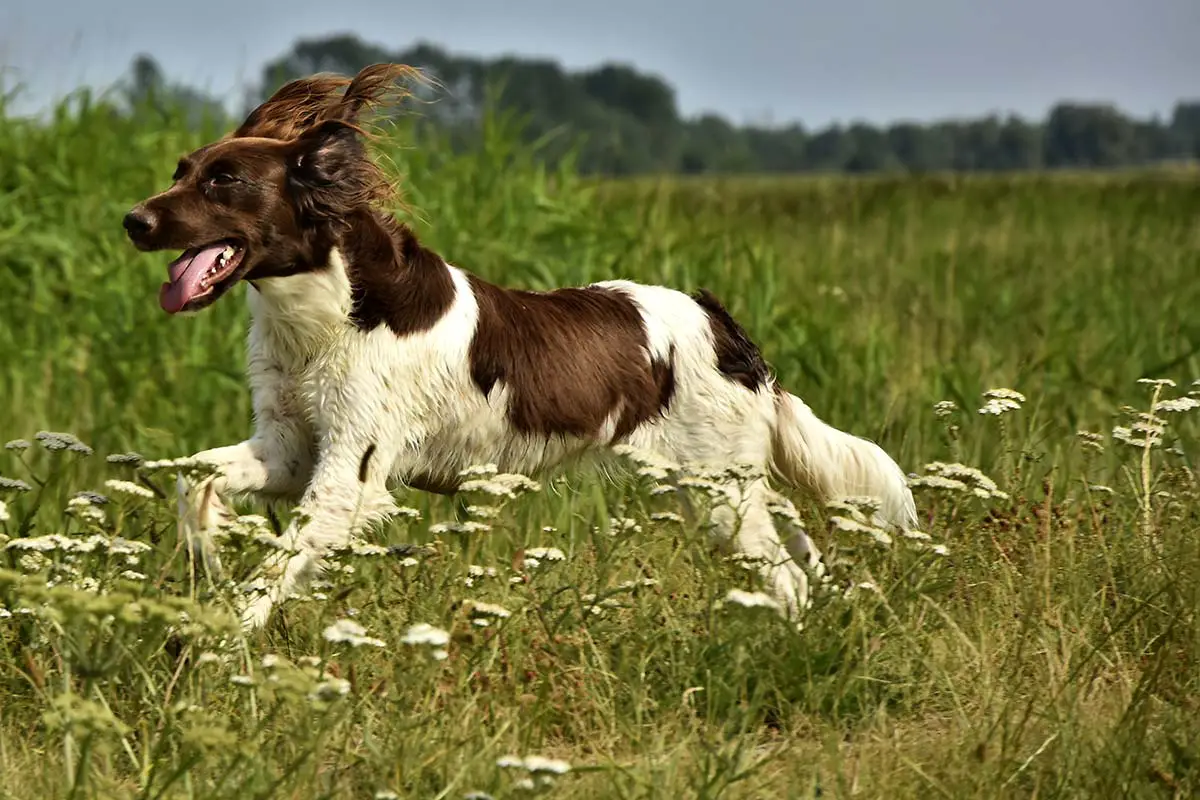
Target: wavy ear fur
[[330, 173], [304, 103]]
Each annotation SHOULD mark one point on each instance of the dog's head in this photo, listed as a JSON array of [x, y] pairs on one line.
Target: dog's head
[[269, 199]]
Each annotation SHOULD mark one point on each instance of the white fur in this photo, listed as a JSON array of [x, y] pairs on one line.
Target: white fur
[[324, 392]]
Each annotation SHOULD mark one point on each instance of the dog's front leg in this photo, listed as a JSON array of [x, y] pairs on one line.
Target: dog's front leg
[[348, 492], [276, 462]]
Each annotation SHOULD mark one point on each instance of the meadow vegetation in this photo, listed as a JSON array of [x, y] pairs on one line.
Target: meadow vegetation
[[1041, 637]]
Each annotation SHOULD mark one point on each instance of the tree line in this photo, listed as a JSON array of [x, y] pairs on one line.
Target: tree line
[[617, 120]]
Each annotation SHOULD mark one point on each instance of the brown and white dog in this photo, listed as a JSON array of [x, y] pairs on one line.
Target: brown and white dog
[[375, 364]]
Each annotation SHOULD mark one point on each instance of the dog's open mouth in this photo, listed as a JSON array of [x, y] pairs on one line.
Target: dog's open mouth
[[197, 273]]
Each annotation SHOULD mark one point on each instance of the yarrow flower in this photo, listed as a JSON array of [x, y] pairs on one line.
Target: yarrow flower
[[944, 408], [1001, 401], [425, 634], [1091, 441], [3, 511], [534, 556], [55, 441], [479, 609], [346, 631], [330, 689], [128, 487], [18, 445], [503, 484], [850, 525], [535, 763], [958, 477], [465, 526], [740, 597], [13, 485], [1177, 405]]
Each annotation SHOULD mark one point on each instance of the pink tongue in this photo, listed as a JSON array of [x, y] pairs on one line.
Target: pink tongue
[[186, 273]]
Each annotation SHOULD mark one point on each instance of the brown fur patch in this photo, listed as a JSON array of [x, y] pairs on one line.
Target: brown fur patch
[[394, 279], [570, 358], [738, 358]]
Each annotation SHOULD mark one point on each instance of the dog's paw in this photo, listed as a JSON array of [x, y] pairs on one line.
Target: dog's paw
[[201, 513]]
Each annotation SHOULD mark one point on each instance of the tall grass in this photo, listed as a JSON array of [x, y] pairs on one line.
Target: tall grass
[[1043, 641]]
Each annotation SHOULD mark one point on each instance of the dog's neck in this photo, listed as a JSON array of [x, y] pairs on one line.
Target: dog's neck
[[376, 274], [306, 312]]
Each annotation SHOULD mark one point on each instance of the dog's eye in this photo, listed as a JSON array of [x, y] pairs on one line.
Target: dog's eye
[[222, 179]]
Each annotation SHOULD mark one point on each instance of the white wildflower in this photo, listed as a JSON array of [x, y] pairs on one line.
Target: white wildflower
[[242, 680], [423, 633], [535, 763], [55, 441], [386, 794], [746, 561], [944, 408], [481, 609], [207, 657], [999, 406], [746, 599], [667, 516], [330, 689], [501, 485], [1157, 382], [1004, 394], [483, 512], [545, 554], [132, 575], [1177, 405], [127, 547], [409, 561], [4, 511], [465, 526], [128, 487], [854, 526], [14, 485], [620, 525], [346, 631], [636, 584]]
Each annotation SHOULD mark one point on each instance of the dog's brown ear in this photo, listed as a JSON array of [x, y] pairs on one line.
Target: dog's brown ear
[[330, 172], [373, 86], [294, 108]]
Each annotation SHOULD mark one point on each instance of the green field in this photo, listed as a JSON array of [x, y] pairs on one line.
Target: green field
[[1051, 650]]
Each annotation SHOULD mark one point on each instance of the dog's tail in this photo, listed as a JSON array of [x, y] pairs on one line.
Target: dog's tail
[[812, 455]]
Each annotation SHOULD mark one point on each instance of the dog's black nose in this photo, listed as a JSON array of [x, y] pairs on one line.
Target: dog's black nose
[[139, 222]]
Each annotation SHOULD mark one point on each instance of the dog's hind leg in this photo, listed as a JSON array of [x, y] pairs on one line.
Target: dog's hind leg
[[745, 524]]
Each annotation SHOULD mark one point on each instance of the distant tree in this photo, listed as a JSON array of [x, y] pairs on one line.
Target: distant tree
[[626, 121], [147, 89], [829, 149], [870, 150], [1185, 128], [777, 149], [1088, 136]]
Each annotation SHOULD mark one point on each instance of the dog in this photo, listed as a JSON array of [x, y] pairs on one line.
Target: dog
[[376, 364]]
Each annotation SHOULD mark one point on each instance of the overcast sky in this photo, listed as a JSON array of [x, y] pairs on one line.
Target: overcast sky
[[783, 60]]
